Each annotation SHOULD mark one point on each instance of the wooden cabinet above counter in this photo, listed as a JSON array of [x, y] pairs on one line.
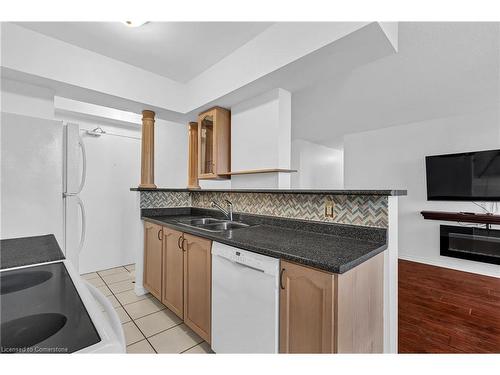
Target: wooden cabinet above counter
[[210, 149], [214, 143]]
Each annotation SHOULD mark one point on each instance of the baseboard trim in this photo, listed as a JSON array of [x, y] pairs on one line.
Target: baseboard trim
[[413, 258]]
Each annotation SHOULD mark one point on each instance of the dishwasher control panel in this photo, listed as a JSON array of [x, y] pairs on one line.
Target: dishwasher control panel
[[247, 258]]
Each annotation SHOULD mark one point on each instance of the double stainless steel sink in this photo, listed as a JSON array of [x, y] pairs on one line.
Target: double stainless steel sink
[[212, 225]]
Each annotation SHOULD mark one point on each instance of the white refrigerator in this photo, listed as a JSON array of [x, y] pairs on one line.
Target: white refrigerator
[[43, 167]]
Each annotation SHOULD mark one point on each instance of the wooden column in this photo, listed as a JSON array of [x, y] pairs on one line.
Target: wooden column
[[148, 150], [193, 156]]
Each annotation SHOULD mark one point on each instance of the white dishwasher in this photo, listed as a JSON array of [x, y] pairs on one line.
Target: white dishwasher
[[245, 301]]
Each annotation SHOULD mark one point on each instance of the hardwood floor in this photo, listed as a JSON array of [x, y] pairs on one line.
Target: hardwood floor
[[447, 311]]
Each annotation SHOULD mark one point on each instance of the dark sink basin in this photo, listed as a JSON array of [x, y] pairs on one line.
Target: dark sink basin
[[23, 280], [30, 330]]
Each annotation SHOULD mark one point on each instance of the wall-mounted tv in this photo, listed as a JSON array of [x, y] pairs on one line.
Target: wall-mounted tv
[[469, 176]]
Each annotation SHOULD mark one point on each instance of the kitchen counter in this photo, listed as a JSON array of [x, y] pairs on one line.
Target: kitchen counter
[[16, 252], [328, 251], [380, 192]]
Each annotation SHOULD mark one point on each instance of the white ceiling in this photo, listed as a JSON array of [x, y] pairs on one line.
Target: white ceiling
[[441, 69], [177, 50]]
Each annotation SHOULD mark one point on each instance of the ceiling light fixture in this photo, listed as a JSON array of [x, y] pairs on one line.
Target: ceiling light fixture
[[135, 23]]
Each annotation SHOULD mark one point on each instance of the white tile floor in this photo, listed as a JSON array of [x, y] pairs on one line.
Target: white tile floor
[[148, 325]]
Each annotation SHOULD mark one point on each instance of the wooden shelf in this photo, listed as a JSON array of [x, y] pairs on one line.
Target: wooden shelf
[[461, 216], [255, 171], [209, 176]]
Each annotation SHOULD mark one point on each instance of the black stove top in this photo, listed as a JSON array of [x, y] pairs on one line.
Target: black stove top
[[41, 312]]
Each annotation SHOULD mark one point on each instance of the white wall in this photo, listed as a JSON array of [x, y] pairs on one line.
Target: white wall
[[261, 139], [394, 158], [215, 184], [317, 166], [26, 99], [171, 154], [170, 137]]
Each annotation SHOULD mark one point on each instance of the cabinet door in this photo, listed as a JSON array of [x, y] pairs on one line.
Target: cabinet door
[[173, 271], [206, 133], [152, 258], [214, 143], [306, 310], [222, 137], [197, 285]]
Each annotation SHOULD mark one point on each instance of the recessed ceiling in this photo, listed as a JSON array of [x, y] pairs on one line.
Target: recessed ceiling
[[177, 50], [442, 69]]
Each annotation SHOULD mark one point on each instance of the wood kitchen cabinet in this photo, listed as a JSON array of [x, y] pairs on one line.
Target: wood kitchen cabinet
[[321, 312], [214, 143], [306, 310], [153, 252], [172, 294], [197, 285], [178, 271]]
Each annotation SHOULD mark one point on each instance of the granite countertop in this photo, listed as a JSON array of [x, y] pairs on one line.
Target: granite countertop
[[16, 252], [380, 192], [328, 252]]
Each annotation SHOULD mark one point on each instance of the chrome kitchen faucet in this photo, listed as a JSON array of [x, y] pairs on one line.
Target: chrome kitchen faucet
[[228, 213]]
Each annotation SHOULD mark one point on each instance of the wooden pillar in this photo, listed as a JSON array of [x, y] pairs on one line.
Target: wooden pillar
[[148, 150], [193, 156]]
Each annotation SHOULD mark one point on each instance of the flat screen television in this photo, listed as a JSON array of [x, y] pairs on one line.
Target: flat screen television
[[469, 176]]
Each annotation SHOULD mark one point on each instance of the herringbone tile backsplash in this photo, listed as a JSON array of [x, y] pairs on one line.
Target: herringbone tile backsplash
[[164, 199], [347, 209]]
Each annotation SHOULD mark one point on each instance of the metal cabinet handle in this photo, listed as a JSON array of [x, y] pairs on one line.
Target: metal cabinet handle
[[179, 241], [281, 278], [182, 244], [159, 235]]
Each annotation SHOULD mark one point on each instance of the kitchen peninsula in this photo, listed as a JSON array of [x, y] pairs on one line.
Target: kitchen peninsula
[[336, 248]]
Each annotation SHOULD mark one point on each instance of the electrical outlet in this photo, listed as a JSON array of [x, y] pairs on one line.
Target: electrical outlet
[[329, 208]]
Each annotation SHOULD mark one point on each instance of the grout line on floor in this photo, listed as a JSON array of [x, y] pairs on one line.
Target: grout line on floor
[[192, 347], [116, 282], [110, 269], [169, 328], [126, 304]]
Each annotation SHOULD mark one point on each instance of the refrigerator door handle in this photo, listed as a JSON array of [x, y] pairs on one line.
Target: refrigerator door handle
[[84, 165], [84, 224]]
